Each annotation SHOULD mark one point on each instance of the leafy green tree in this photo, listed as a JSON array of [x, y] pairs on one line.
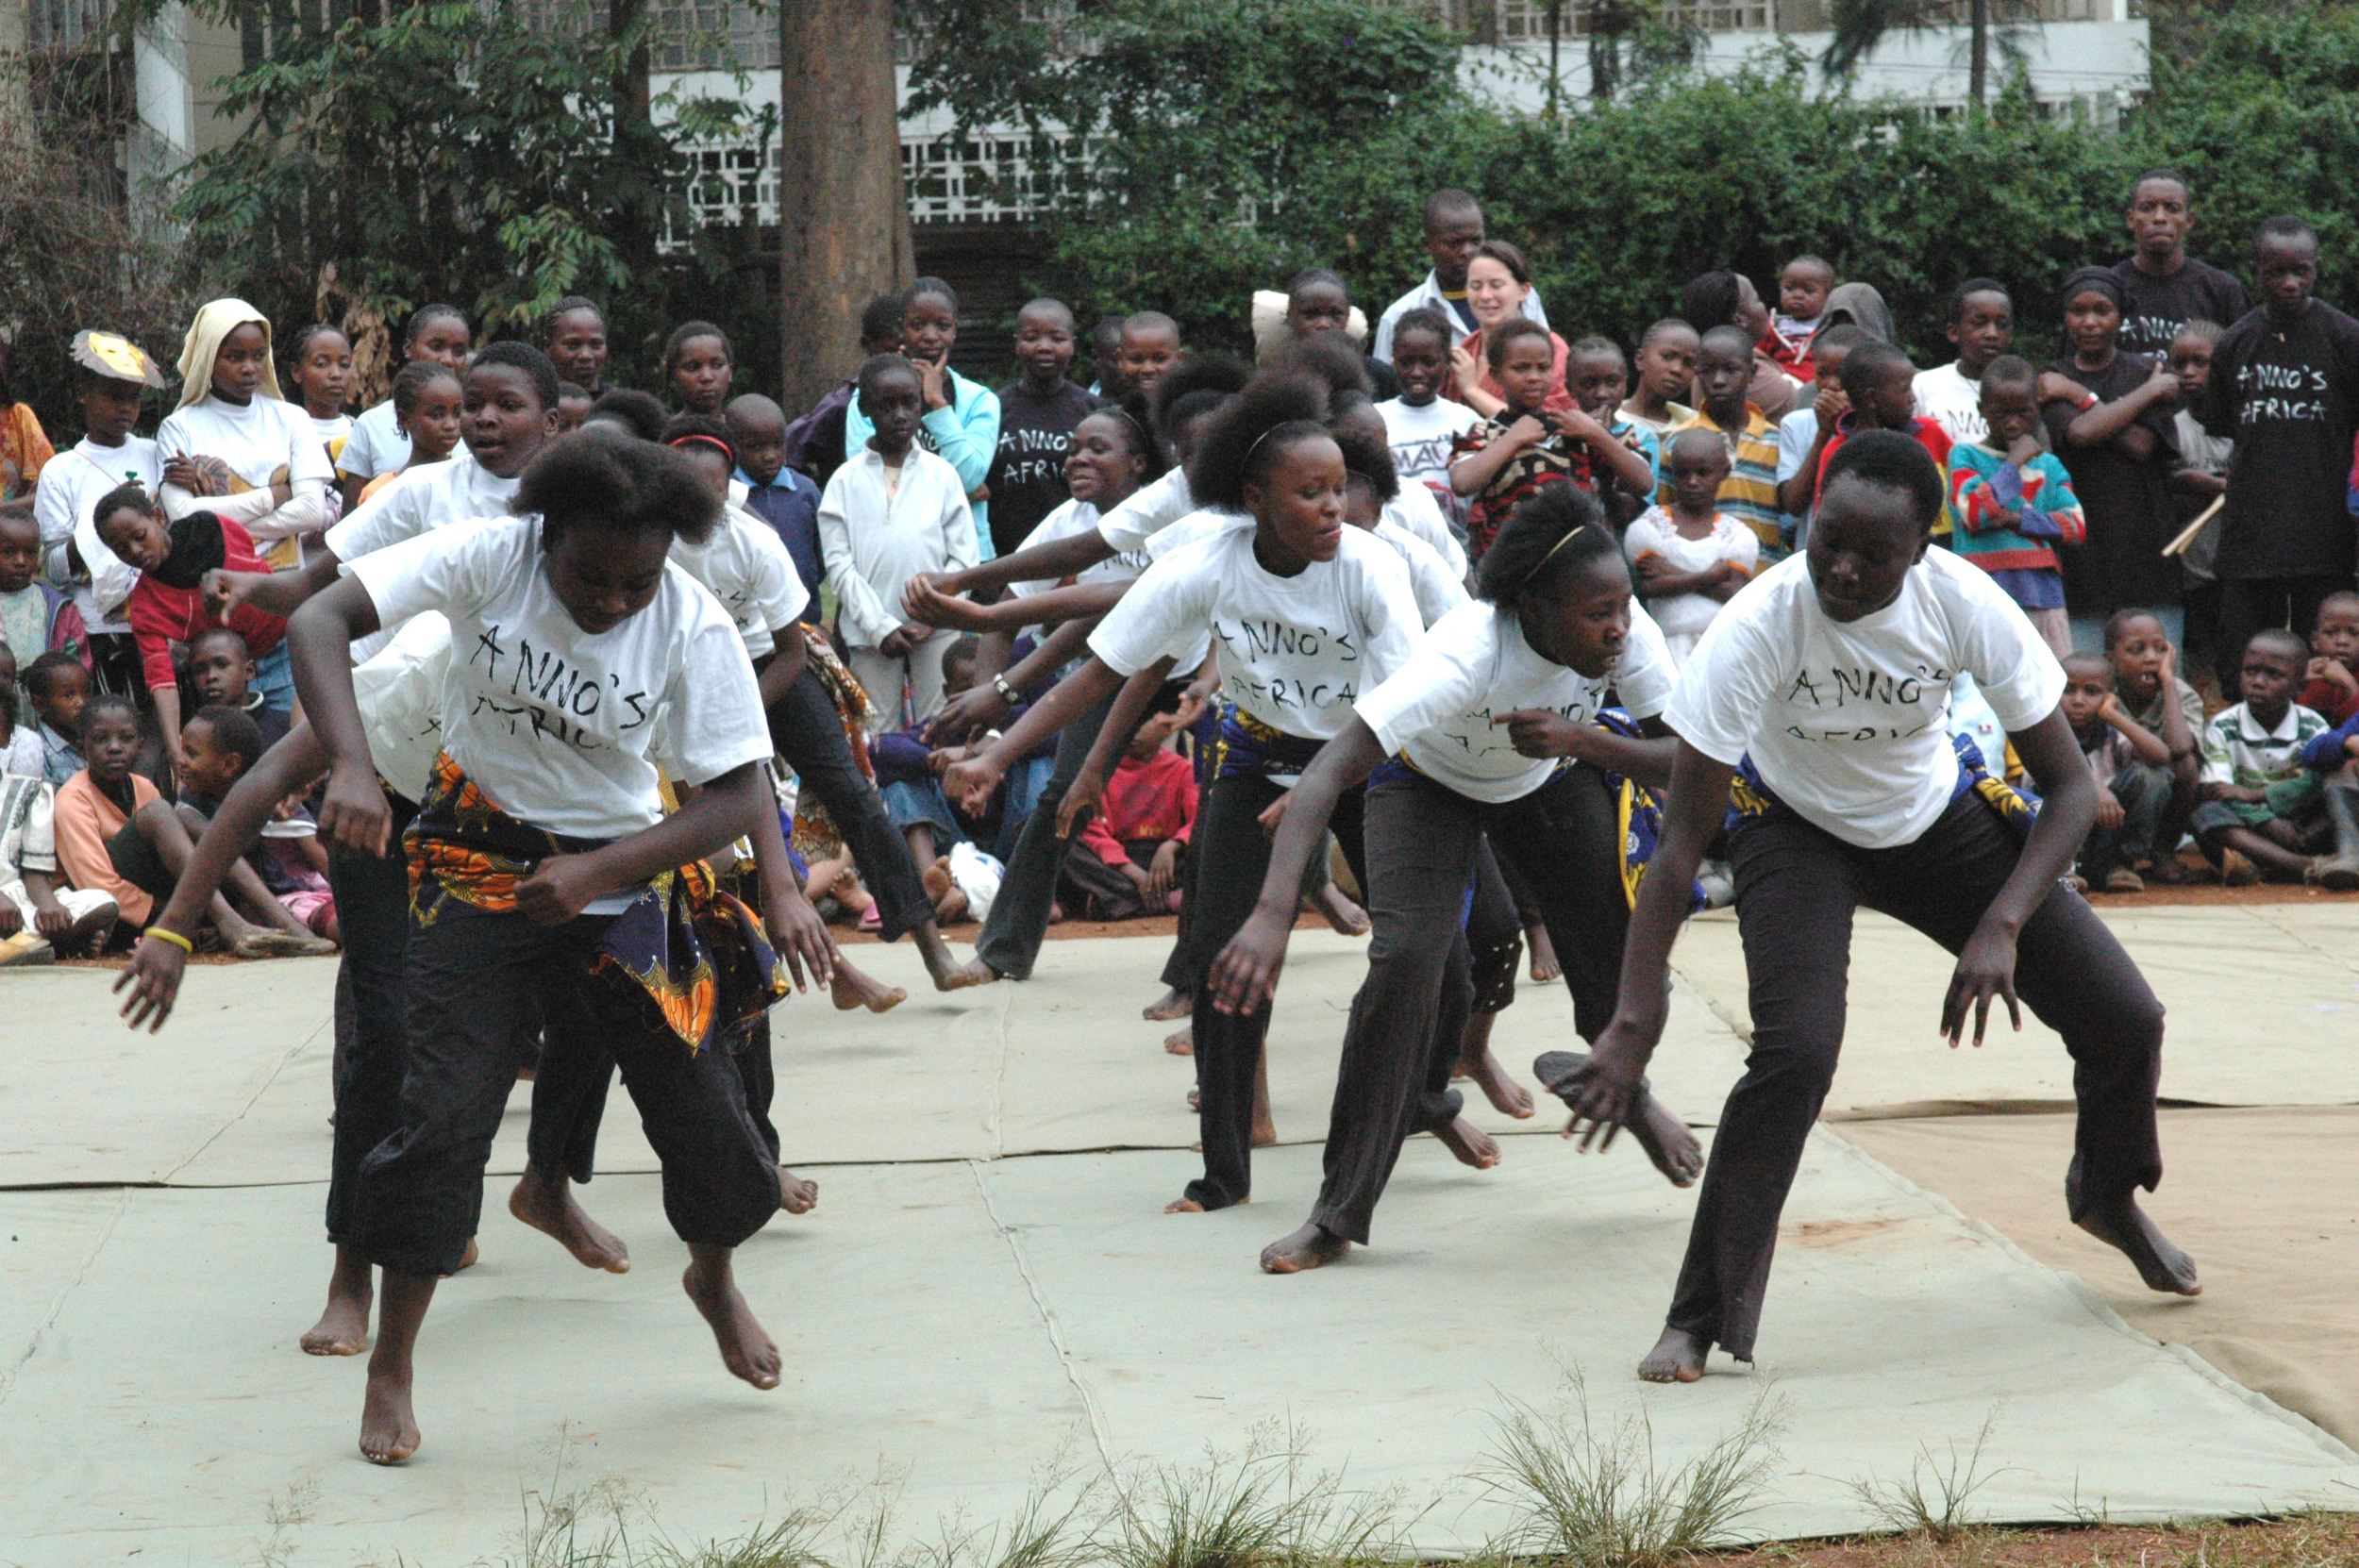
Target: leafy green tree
[[498, 155]]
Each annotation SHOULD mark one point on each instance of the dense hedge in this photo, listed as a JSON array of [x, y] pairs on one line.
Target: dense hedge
[[1245, 139]]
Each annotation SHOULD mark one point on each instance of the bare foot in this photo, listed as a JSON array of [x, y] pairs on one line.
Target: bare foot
[[1341, 912], [389, 1428], [1183, 1206], [552, 1211], [975, 972], [2120, 1222], [1470, 1144], [1543, 965], [1664, 1137], [1174, 1003], [470, 1257], [1310, 1247], [796, 1195], [745, 1350], [1507, 1096], [343, 1328], [1678, 1357], [1264, 1129], [1181, 1042], [852, 989]]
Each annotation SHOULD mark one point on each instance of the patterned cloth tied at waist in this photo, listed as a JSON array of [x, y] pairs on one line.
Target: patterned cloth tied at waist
[[700, 953]]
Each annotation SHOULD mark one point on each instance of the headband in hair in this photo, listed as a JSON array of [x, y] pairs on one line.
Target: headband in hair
[[1148, 442], [697, 437], [2093, 280], [1570, 534]]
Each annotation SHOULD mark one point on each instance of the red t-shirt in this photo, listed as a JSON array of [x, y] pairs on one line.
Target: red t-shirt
[[161, 616]]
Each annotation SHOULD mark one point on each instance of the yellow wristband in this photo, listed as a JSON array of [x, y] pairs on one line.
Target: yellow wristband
[[172, 936]]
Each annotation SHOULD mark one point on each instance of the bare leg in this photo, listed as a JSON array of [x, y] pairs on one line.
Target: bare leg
[[1264, 1128], [2120, 1221], [949, 974], [746, 1349], [1338, 910], [280, 934], [1678, 1357], [389, 1426], [343, 1328], [550, 1208], [1476, 1062], [1544, 963]]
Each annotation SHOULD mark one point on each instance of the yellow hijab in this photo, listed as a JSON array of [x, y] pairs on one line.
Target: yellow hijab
[[213, 322]]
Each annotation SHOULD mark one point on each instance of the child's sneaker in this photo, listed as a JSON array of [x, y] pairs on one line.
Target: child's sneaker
[[2122, 879]]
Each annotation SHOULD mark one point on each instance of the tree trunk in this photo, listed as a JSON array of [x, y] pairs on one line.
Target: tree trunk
[[843, 222], [1978, 68], [638, 207]]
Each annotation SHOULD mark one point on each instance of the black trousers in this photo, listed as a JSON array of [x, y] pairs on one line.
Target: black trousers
[[2248, 605], [1424, 842], [471, 978], [1495, 935], [1018, 923], [809, 733], [1230, 854], [1796, 888], [373, 1045]]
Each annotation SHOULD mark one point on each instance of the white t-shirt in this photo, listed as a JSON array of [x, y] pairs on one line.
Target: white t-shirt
[[331, 430], [400, 694], [376, 444], [561, 728], [1684, 616], [1438, 589], [1151, 508], [1849, 725], [1950, 400], [255, 440], [418, 501], [1069, 520], [1421, 436], [71, 486], [1474, 665], [1416, 509], [745, 565], [1295, 652]]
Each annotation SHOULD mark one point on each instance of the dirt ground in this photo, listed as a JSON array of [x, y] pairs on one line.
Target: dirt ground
[[2315, 1541]]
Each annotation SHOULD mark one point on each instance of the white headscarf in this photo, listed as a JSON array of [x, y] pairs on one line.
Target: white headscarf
[[213, 322]]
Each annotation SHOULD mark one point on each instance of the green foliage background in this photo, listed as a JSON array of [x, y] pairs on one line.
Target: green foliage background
[[1244, 139]]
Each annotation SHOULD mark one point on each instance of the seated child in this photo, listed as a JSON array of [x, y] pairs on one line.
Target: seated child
[[169, 605], [2262, 808], [1126, 862], [59, 688], [221, 675], [2014, 502], [2332, 676], [221, 743], [2334, 759], [1802, 290], [2146, 675], [40, 919], [20, 751], [429, 407], [117, 834], [2133, 770], [1689, 557]]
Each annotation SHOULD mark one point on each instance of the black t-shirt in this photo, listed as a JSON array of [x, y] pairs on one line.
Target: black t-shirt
[[2126, 500], [2159, 307], [2289, 399], [1027, 477]]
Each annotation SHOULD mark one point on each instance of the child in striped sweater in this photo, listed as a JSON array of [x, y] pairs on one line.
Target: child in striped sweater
[[2014, 502]]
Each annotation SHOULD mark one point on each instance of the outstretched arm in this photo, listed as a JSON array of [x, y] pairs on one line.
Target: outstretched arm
[[353, 815], [1610, 1080], [1244, 976], [969, 783], [1986, 969], [1059, 558], [1122, 722], [157, 965]]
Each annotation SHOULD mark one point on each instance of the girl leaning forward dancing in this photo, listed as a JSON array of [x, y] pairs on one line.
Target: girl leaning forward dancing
[[541, 864], [1494, 722], [1818, 703]]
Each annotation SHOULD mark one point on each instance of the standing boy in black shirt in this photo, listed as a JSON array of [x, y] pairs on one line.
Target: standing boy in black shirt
[[2162, 287], [1037, 418], [2285, 387]]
